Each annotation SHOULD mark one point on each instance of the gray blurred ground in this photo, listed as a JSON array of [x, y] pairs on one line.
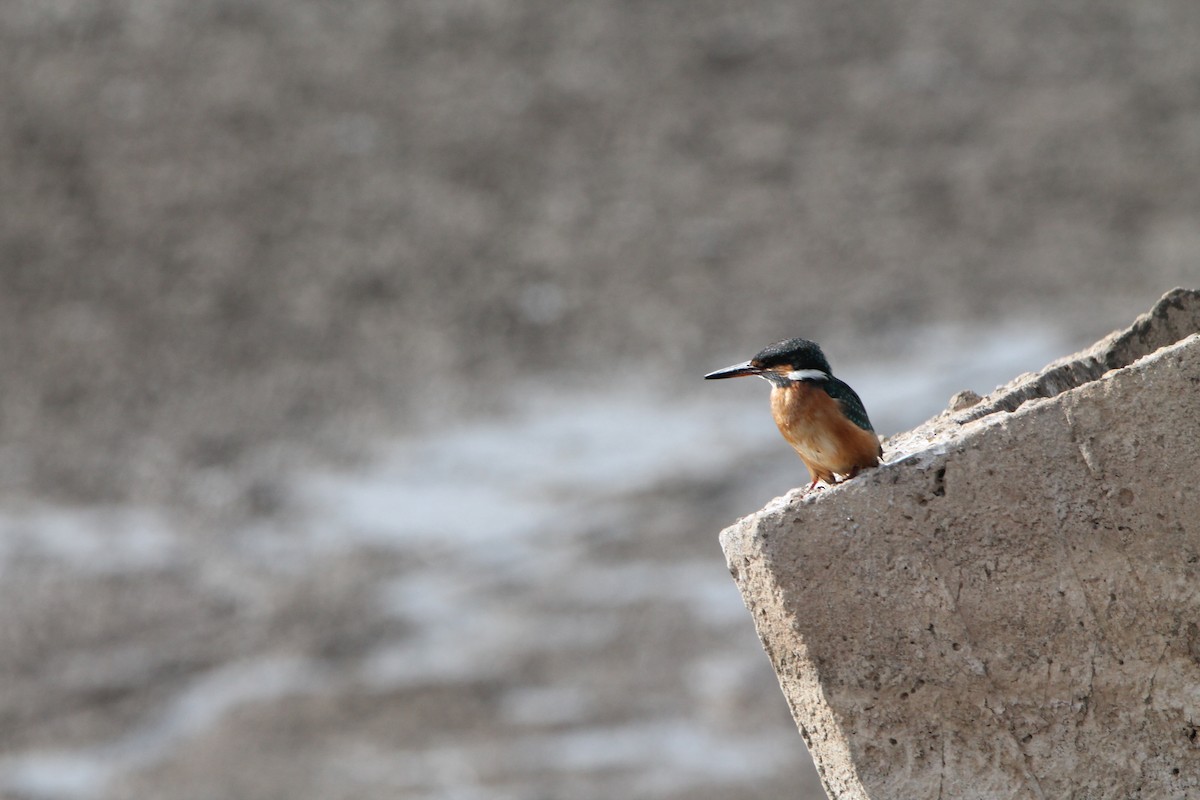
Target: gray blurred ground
[[240, 240]]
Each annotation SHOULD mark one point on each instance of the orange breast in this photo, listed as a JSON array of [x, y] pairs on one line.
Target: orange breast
[[813, 424]]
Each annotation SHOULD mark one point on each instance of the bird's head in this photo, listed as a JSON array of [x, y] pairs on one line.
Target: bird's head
[[782, 363]]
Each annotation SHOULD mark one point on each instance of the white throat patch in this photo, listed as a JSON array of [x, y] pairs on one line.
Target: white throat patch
[[807, 375]]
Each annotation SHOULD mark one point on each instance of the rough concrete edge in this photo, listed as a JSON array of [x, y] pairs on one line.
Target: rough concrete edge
[[928, 447], [835, 749], [1148, 333], [1164, 324]]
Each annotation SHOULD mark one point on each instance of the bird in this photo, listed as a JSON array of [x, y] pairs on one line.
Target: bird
[[821, 417]]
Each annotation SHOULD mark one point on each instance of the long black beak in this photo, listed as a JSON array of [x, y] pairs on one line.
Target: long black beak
[[736, 371]]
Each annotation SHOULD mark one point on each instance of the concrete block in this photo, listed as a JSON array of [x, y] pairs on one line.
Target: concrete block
[[1010, 606]]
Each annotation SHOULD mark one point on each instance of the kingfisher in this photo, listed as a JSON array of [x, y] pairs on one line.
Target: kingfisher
[[821, 417]]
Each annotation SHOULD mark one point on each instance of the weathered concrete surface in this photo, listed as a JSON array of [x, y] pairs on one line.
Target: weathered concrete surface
[[1011, 606]]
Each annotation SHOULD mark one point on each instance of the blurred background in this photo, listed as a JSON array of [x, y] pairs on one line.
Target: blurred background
[[352, 442]]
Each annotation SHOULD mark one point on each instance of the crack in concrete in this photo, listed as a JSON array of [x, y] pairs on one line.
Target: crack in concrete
[[942, 773], [1025, 758], [1085, 450], [1162, 655]]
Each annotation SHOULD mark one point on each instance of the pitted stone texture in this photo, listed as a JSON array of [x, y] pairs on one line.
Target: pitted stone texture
[[1011, 610]]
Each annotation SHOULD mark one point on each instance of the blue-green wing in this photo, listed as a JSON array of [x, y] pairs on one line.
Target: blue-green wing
[[851, 404]]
